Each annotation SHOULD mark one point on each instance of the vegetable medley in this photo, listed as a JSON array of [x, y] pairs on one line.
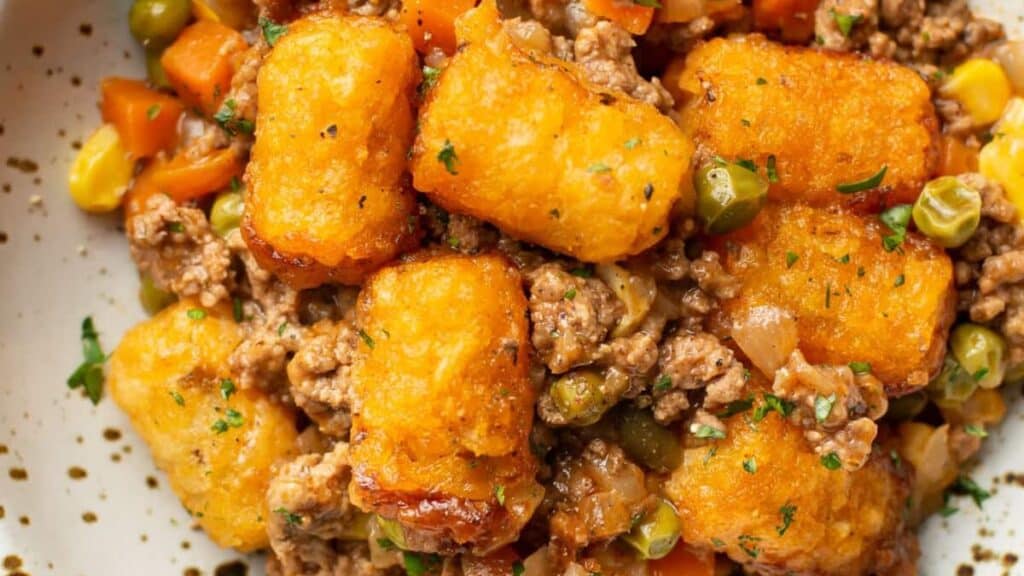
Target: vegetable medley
[[566, 286]]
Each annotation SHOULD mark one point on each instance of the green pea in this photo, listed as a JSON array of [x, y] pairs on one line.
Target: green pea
[[648, 442], [980, 352], [156, 23], [392, 530], [579, 397], [226, 212], [729, 196], [155, 70], [947, 211], [657, 533], [153, 299], [906, 407], [954, 384]]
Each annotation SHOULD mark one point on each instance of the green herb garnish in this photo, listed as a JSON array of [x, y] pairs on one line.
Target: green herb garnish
[[869, 183], [89, 374]]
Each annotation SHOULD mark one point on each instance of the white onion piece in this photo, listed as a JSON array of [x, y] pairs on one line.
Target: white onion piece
[[538, 563], [1010, 56], [767, 335]]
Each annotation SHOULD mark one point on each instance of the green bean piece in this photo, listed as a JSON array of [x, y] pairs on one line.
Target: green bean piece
[[226, 212], [657, 533], [579, 397], [648, 442], [156, 23], [729, 196], [947, 211], [906, 407], [980, 352], [153, 299], [953, 385], [392, 530], [155, 70]]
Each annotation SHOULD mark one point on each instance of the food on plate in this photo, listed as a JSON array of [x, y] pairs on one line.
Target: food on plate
[[218, 444], [557, 161], [566, 286], [443, 405], [751, 99], [328, 198]]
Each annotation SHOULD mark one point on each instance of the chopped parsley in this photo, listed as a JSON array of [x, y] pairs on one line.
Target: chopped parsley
[[282, 328], [717, 542], [232, 419], [386, 544], [518, 569], [499, 494], [860, 367], [581, 272], [89, 374], [366, 339], [291, 518], [773, 173], [737, 407], [598, 168], [823, 406], [705, 431], [177, 398], [664, 382], [965, 485], [980, 374], [900, 281], [748, 164], [236, 309], [844, 259], [896, 219], [711, 454], [272, 31], [420, 564], [750, 465], [761, 81], [845, 22], [831, 461], [430, 77], [227, 388], [196, 313], [773, 403], [176, 227], [869, 183], [745, 122], [749, 545], [152, 112], [448, 157], [632, 143], [454, 242], [570, 294], [219, 426], [791, 258], [787, 512], [946, 511], [229, 123], [976, 430]]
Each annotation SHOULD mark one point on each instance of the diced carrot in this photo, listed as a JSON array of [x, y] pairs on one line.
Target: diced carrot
[[632, 16], [683, 561], [431, 23], [682, 11], [183, 178], [146, 120], [201, 62], [135, 199], [793, 18], [955, 157]]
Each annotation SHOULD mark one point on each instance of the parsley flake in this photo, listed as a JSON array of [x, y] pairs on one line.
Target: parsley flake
[[570, 294], [664, 382], [705, 431], [518, 569], [773, 403], [845, 22], [980, 374], [152, 112], [773, 173], [860, 367], [869, 183], [598, 168], [272, 31], [831, 461], [896, 219], [737, 407], [196, 313], [900, 281], [632, 143], [366, 339], [177, 397], [430, 78], [236, 309], [89, 374], [499, 494], [448, 157], [791, 258], [291, 518], [227, 388], [750, 465], [976, 430], [965, 485], [749, 545], [823, 406], [787, 512]]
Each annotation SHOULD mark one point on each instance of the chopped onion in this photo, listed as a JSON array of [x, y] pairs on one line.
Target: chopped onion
[[635, 291], [767, 335], [1010, 56]]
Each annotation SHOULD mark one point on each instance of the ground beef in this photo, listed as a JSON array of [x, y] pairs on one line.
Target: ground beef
[[855, 402], [570, 316], [319, 375], [826, 23], [691, 361], [175, 246], [604, 55], [712, 279], [597, 494], [532, 35], [990, 268], [311, 513], [469, 235]]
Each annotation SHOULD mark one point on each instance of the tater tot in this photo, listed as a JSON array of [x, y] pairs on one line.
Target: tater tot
[[168, 374], [852, 300], [328, 200], [519, 140], [826, 118], [442, 406], [791, 513]]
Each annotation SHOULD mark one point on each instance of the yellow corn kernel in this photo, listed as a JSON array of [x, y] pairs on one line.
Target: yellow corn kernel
[[101, 172], [202, 11], [237, 14], [1012, 121], [1002, 160], [982, 87]]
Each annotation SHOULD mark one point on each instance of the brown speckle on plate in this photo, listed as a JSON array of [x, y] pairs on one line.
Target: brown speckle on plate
[[85, 29], [38, 50], [76, 81], [3, 449], [25, 165], [89, 517], [185, 544], [12, 562], [964, 570], [143, 537], [2, 512], [112, 434], [191, 572], [77, 473], [151, 482], [3, 237], [18, 474], [25, 520], [236, 568], [115, 457]]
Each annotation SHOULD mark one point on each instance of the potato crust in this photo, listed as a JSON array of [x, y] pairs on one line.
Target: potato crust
[[553, 161], [328, 200], [853, 301], [827, 118], [839, 522], [166, 375], [442, 406]]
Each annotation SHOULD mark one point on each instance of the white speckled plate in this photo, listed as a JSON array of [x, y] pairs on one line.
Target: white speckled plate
[[91, 502]]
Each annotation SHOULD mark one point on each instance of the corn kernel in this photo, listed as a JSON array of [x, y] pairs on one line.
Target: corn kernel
[[202, 11], [1002, 160], [982, 87], [237, 14], [1012, 121], [101, 172]]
